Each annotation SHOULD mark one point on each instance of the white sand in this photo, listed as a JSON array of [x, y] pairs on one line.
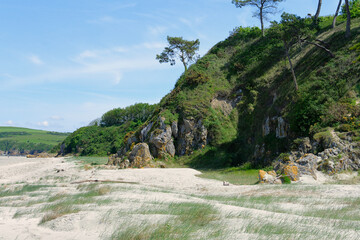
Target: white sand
[[154, 186]]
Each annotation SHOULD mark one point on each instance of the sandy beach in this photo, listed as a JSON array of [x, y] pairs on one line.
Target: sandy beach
[[58, 199]]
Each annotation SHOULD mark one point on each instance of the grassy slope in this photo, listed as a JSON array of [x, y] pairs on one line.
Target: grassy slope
[[257, 67], [29, 139]]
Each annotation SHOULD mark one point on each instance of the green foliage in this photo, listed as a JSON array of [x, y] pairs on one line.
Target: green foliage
[[169, 116], [284, 157], [285, 179], [354, 7], [112, 134], [196, 76], [139, 112], [95, 140], [356, 48], [179, 48], [245, 33]]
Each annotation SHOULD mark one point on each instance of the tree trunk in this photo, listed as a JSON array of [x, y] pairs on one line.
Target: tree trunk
[[336, 14], [348, 22], [319, 46], [291, 66], [262, 21], [318, 11], [185, 66]]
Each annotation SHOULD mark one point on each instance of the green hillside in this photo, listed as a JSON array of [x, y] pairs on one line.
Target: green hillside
[[238, 103], [23, 140]]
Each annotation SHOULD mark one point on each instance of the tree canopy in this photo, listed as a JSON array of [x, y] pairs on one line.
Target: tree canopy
[[354, 7], [179, 48], [264, 7], [135, 113]]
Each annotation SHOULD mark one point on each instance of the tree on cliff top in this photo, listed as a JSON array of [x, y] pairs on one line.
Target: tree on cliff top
[[179, 48], [265, 7]]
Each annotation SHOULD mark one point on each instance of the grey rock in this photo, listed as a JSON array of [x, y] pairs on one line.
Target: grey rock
[[174, 129], [145, 131], [140, 155]]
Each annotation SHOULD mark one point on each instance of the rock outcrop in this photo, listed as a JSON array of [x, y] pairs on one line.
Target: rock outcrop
[[139, 157], [269, 177], [192, 136], [160, 139], [277, 125], [161, 142]]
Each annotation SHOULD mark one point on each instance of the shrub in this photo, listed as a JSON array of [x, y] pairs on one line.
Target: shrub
[[245, 33], [196, 76], [285, 180]]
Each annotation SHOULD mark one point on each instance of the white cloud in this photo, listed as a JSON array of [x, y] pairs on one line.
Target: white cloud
[[35, 60], [87, 54], [43, 124], [109, 63], [9, 123]]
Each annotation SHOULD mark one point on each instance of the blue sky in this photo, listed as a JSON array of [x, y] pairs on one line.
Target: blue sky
[[63, 63]]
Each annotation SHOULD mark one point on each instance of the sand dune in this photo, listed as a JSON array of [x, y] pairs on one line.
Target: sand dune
[[39, 200]]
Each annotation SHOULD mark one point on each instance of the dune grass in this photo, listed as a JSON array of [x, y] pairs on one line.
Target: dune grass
[[232, 175], [185, 219], [66, 204], [21, 190]]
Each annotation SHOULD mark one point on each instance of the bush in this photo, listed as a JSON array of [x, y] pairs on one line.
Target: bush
[[245, 33], [285, 180], [195, 76]]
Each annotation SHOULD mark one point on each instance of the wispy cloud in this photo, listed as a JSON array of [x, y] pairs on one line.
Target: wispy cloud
[[43, 124], [157, 30], [56, 118], [110, 20], [35, 60], [193, 25], [109, 63], [9, 123]]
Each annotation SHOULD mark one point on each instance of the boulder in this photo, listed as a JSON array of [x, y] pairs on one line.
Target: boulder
[[268, 177], [292, 171], [162, 142], [140, 156]]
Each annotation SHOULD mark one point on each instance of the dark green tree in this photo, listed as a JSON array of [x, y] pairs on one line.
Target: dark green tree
[[264, 7], [179, 48]]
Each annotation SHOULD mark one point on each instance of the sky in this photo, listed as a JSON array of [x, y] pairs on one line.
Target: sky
[[64, 63]]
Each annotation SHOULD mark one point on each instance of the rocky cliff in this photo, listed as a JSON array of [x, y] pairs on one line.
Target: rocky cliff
[[238, 104]]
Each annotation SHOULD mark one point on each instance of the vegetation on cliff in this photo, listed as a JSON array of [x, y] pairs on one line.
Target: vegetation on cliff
[[242, 92], [107, 136]]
